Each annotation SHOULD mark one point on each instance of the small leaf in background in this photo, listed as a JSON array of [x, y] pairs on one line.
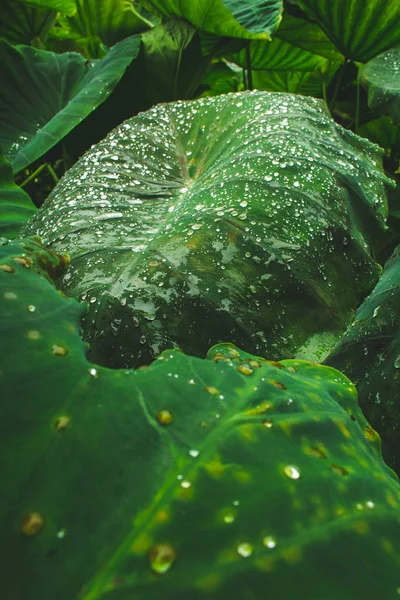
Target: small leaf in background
[[217, 478], [16, 207], [45, 95], [369, 353], [24, 24], [226, 18], [360, 29], [247, 216], [381, 77]]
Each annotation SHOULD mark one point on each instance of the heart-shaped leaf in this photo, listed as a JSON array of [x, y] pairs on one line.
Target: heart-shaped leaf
[[217, 478], [248, 217]]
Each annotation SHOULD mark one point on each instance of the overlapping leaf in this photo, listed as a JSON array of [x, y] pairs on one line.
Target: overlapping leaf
[[45, 95], [24, 24], [231, 18], [193, 478], [249, 217], [369, 353], [16, 207], [360, 29], [381, 76]]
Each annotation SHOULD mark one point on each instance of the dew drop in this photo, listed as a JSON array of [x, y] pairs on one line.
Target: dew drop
[[164, 417], [94, 373], [185, 484], [31, 308], [292, 472], [62, 423], [269, 541], [32, 524], [211, 390], [59, 350], [161, 558], [267, 423], [229, 517], [244, 549], [194, 453], [245, 369]]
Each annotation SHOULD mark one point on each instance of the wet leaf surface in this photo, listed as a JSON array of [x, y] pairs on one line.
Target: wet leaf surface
[[381, 77], [250, 217]]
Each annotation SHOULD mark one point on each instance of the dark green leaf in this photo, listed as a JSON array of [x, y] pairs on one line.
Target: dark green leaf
[[15, 205], [22, 24], [204, 479], [231, 18], [369, 353], [381, 76], [360, 29], [249, 217], [380, 131], [45, 95]]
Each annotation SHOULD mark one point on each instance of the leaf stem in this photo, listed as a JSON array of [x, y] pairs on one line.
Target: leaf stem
[[248, 67]]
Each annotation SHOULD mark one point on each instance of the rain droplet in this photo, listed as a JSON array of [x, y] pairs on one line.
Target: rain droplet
[[61, 534], [292, 472], [161, 558], [94, 373], [62, 423], [31, 308], [245, 549], [194, 453], [185, 484], [229, 517], [211, 390], [267, 423], [269, 541], [245, 369], [376, 310], [58, 350], [164, 417], [32, 524]]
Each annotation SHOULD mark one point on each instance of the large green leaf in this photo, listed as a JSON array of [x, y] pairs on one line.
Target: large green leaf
[[231, 18], [369, 353], [218, 478], [16, 207], [245, 216], [381, 76], [23, 24], [45, 95], [360, 29]]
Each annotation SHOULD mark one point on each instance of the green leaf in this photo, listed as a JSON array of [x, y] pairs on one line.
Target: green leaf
[[215, 478], [23, 24], [360, 29], [45, 95], [369, 353], [283, 67], [381, 77], [107, 20], [308, 36], [67, 7], [227, 18], [16, 207], [381, 131], [223, 77], [249, 217]]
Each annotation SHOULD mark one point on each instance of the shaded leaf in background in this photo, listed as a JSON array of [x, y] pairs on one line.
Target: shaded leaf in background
[[45, 95], [283, 67], [223, 77], [381, 131], [109, 21], [360, 29], [381, 77], [308, 36], [247, 216], [16, 207], [23, 24], [67, 7], [171, 62], [181, 480], [369, 353], [227, 18]]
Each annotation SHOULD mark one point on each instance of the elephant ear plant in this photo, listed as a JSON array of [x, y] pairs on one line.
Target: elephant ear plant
[[249, 217], [194, 478]]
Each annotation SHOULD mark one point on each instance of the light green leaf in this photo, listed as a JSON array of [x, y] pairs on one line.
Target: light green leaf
[[246, 216], [231, 18], [45, 95], [16, 207], [107, 20], [381, 77], [217, 478], [360, 29], [67, 7], [369, 353]]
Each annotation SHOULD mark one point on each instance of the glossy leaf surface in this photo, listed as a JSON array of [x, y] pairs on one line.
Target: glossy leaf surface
[[254, 214], [360, 29], [369, 353], [231, 18], [16, 207], [381, 77], [45, 95], [193, 478]]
